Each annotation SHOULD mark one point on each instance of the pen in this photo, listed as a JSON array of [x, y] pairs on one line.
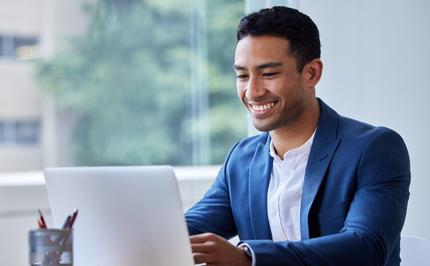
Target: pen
[[39, 224], [66, 222], [72, 220], [42, 220]]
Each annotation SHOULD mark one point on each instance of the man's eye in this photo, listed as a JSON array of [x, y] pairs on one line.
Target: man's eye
[[242, 76], [270, 74]]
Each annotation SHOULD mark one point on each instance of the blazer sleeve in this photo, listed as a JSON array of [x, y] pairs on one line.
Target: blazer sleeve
[[374, 220], [213, 212]]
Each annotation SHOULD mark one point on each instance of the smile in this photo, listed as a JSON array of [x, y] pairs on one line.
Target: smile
[[262, 107], [261, 110]]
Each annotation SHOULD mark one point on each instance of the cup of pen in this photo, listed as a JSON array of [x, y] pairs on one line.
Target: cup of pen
[[51, 247]]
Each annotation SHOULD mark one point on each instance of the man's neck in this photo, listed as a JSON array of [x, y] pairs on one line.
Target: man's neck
[[292, 136]]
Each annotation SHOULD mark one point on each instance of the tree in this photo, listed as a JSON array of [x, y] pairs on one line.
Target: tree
[[128, 80]]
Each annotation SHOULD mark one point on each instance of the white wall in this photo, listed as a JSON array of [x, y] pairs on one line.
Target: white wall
[[377, 66]]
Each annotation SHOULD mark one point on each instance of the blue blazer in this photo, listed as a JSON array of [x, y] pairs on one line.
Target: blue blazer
[[354, 197]]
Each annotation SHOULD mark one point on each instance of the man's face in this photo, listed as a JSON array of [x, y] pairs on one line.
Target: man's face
[[268, 82]]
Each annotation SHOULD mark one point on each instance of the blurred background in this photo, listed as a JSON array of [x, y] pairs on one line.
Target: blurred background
[[141, 82], [117, 82]]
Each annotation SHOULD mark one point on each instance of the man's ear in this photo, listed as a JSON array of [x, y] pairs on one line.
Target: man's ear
[[312, 72]]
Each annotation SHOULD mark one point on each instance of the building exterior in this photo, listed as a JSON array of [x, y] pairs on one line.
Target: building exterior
[[30, 137]]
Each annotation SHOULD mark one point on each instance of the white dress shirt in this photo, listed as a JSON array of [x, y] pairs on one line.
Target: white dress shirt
[[285, 191], [284, 194]]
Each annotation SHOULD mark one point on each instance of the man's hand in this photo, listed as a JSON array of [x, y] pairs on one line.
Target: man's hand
[[214, 250]]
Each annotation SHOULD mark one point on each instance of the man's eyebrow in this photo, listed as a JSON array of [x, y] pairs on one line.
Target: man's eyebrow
[[267, 65], [260, 67], [237, 67]]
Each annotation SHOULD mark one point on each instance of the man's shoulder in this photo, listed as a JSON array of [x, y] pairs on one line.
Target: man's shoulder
[[361, 132], [248, 146], [241, 156], [349, 128], [253, 141]]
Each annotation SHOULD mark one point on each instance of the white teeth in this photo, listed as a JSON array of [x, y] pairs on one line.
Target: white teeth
[[263, 107]]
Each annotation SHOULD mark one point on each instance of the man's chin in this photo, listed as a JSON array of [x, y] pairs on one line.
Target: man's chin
[[263, 127]]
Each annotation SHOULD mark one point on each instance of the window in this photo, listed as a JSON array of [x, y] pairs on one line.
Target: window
[[19, 133], [18, 47], [151, 82]]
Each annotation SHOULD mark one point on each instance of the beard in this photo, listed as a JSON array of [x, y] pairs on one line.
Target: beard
[[287, 116]]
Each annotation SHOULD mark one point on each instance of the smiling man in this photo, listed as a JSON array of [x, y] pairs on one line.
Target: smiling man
[[315, 188]]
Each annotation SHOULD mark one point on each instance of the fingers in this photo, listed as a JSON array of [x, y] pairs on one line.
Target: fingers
[[203, 243], [207, 247], [204, 247], [204, 258], [201, 238]]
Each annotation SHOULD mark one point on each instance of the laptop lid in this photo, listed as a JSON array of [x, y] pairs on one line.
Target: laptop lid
[[127, 215]]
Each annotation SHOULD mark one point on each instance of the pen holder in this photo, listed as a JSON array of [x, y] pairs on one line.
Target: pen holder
[[51, 247]]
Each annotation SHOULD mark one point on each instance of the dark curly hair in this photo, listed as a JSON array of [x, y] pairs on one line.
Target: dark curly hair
[[280, 21]]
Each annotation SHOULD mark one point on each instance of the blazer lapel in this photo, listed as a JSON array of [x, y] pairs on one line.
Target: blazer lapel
[[323, 148], [259, 177]]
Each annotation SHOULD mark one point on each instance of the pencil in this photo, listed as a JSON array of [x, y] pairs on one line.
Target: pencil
[[42, 220], [72, 220]]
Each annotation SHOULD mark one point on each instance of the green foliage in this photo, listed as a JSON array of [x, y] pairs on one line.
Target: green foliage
[[128, 80], [228, 118]]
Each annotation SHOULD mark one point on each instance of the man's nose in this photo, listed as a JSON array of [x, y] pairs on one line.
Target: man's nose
[[254, 89]]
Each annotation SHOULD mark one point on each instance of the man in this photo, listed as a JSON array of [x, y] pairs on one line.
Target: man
[[316, 188]]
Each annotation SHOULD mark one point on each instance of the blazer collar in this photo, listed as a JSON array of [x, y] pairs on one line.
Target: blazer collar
[[259, 177], [323, 148]]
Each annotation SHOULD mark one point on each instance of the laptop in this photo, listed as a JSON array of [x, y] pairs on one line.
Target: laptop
[[127, 215]]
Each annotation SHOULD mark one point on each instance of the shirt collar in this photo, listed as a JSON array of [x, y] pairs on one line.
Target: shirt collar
[[304, 148]]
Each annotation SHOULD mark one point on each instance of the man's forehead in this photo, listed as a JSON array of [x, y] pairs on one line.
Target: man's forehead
[[268, 47], [259, 66], [263, 42], [261, 51]]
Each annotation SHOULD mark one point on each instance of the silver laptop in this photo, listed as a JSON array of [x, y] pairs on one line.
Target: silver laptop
[[127, 215]]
